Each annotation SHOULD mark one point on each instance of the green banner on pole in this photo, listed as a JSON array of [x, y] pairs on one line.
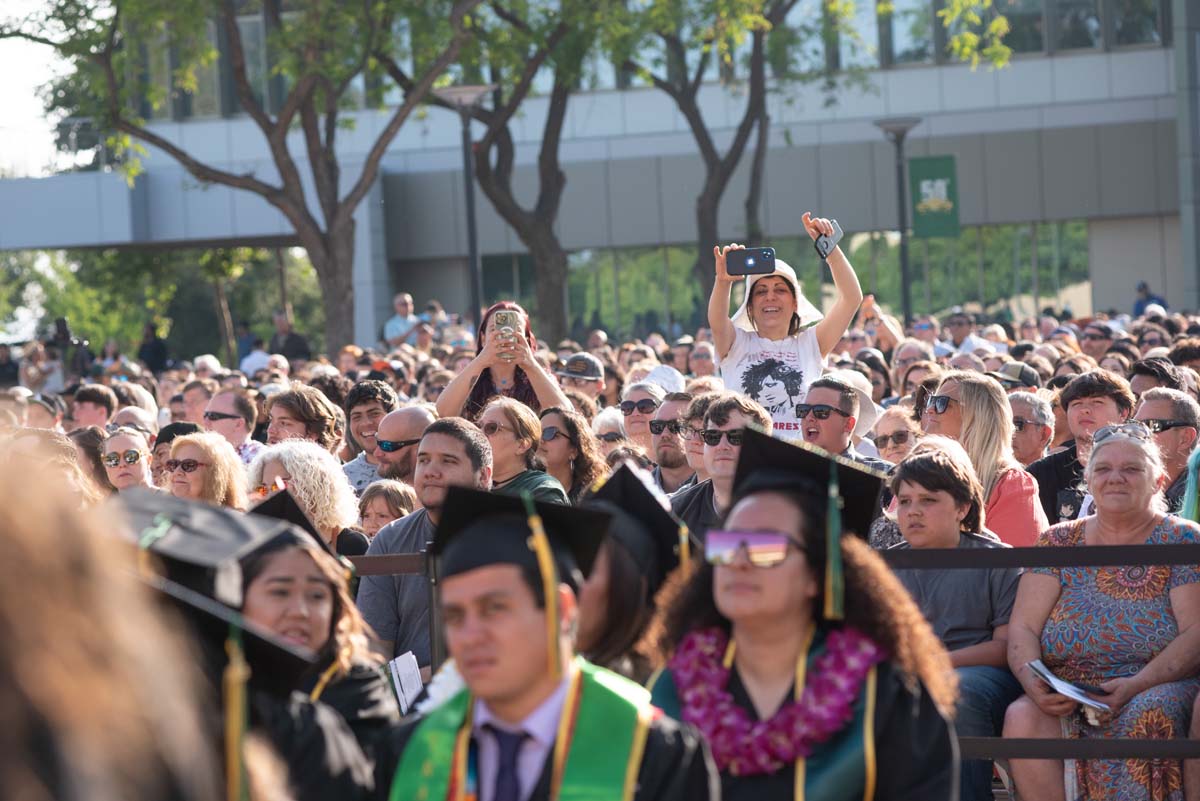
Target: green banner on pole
[[934, 189]]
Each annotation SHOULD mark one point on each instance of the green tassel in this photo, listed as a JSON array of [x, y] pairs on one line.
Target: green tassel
[[1189, 510], [835, 590]]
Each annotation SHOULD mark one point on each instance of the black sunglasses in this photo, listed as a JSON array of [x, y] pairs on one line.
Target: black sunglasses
[[393, 445], [676, 427], [551, 433], [645, 406], [899, 438], [938, 404], [821, 411], [712, 437], [1019, 423], [213, 417], [1157, 426], [612, 437]]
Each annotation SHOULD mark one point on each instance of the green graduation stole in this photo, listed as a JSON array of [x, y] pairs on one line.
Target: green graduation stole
[[597, 754]]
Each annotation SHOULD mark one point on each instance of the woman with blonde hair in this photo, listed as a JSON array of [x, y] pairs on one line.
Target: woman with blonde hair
[[973, 410], [315, 479], [514, 431], [205, 467]]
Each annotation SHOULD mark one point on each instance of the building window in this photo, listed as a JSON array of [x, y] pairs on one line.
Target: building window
[[912, 31], [205, 101], [254, 49], [860, 48], [1027, 26], [1135, 22], [1077, 24], [160, 89]]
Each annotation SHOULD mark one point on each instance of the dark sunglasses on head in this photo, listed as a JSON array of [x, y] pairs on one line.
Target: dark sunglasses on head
[[645, 406], [213, 417], [676, 427], [393, 445], [712, 437], [551, 433], [1157, 426], [898, 438], [821, 411], [186, 465], [1132, 430], [612, 437], [938, 404], [131, 456], [763, 548]]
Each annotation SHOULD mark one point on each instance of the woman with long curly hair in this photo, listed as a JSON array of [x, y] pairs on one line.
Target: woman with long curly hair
[[315, 479], [845, 699], [571, 451], [296, 588], [205, 467]]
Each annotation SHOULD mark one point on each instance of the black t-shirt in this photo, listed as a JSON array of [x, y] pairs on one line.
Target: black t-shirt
[[695, 507], [1060, 484], [10, 374]]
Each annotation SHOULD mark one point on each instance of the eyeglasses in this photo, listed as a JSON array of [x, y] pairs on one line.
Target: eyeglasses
[[1152, 342], [922, 326], [1157, 426], [645, 406], [898, 438], [712, 437], [393, 445], [938, 404], [551, 433], [187, 465], [213, 417], [131, 456], [763, 548], [1133, 430], [821, 411], [676, 427], [700, 356], [612, 437], [690, 432], [434, 391], [1019, 423], [1092, 337], [490, 428]]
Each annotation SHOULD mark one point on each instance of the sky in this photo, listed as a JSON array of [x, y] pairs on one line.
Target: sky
[[26, 141]]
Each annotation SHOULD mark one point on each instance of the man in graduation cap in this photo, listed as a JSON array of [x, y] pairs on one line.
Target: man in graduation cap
[[534, 722]]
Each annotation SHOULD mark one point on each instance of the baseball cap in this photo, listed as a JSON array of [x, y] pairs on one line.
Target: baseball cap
[[582, 365], [1017, 374]]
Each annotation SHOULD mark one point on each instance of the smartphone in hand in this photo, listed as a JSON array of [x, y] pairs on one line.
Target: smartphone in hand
[[825, 244], [751, 261]]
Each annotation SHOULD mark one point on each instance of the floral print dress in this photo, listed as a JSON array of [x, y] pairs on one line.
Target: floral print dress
[[1108, 623]]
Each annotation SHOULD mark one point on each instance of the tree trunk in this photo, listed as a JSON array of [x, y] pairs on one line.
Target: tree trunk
[[707, 206], [335, 275], [754, 230], [225, 322], [284, 304], [550, 269]]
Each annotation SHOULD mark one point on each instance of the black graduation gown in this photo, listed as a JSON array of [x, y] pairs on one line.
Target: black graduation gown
[[916, 754], [364, 699], [675, 767]]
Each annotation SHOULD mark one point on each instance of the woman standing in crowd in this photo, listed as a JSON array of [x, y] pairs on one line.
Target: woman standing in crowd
[[756, 633], [939, 504], [570, 451], [315, 479], [382, 502], [1131, 633], [972, 408], [205, 467], [769, 337], [506, 365], [639, 402], [514, 432], [127, 459]]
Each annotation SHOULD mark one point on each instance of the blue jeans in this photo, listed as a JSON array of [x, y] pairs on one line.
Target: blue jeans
[[984, 694]]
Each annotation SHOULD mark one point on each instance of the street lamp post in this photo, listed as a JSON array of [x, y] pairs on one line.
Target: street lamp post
[[896, 129], [465, 99]]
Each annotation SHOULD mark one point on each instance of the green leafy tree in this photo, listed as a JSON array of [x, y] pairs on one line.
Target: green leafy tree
[[319, 50]]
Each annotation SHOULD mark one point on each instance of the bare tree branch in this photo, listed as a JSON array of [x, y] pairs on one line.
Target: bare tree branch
[[509, 17]]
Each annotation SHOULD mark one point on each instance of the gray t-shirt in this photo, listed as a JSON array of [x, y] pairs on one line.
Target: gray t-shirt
[[360, 473], [963, 606], [397, 607]]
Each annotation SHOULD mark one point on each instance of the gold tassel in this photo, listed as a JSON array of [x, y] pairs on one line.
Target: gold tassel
[[237, 673], [834, 580], [685, 551], [539, 543]]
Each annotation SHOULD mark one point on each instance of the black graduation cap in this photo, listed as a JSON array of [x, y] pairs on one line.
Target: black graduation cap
[[852, 490], [643, 523], [481, 528], [200, 546], [282, 505], [768, 463]]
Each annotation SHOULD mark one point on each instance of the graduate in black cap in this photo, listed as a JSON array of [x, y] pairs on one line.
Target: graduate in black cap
[[646, 543], [798, 654], [534, 722], [256, 663]]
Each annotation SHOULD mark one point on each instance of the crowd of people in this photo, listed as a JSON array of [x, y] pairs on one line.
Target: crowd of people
[[658, 563]]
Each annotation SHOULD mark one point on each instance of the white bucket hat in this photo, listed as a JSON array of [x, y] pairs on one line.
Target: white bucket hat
[[807, 312], [868, 412]]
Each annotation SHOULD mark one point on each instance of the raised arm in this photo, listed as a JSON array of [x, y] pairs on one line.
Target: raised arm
[[849, 293], [718, 303], [454, 397], [545, 386]]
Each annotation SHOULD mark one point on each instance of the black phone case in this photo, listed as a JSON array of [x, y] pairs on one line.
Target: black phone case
[[825, 244]]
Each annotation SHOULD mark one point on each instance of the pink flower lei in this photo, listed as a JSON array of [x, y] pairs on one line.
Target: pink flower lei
[[746, 748]]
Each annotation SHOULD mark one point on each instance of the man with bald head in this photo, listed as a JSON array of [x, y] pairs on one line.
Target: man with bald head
[[396, 440]]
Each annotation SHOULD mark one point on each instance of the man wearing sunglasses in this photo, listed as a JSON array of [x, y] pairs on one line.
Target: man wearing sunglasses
[[232, 414], [1096, 339], [702, 505], [666, 431], [829, 418], [584, 373], [396, 439], [1033, 426], [1174, 419], [961, 327]]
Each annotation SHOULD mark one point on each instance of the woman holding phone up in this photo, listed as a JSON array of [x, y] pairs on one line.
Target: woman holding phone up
[[770, 350]]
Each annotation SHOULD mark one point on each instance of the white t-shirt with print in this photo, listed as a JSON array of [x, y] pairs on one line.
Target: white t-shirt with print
[[777, 374]]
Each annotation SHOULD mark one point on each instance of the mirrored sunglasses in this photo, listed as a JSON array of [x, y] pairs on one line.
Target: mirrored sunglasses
[[763, 548], [393, 445], [131, 456]]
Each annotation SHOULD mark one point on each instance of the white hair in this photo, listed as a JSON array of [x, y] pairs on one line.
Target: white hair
[[653, 390], [1150, 455], [323, 371], [318, 483], [606, 418], [207, 361]]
